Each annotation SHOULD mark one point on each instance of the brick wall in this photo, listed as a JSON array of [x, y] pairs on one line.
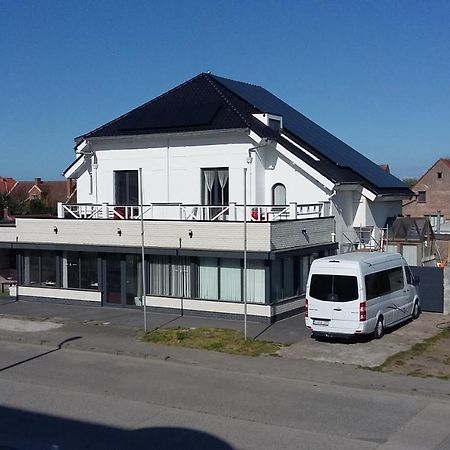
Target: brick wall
[[437, 193]]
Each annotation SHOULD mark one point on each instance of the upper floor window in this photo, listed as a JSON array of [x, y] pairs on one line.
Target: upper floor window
[[215, 186], [439, 175], [126, 187], [422, 197], [278, 194]]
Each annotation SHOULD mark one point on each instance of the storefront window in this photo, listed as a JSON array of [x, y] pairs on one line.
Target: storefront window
[[208, 278], [41, 269], [230, 279], [82, 270]]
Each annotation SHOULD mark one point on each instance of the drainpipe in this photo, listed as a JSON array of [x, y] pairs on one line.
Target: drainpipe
[[168, 171], [94, 168], [333, 234], [264, 142], [94, 162]]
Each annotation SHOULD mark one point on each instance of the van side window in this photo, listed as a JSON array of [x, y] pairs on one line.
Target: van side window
[[384, 282]]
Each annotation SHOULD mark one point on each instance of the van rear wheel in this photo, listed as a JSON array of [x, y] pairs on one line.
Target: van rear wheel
[[378, 333]]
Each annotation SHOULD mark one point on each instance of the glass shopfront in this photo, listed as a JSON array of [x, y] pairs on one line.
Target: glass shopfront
[[119, 276]]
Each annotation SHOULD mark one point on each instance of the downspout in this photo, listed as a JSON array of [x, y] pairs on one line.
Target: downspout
[[95, 167], [168, 171], [94, 162], [333, 234]]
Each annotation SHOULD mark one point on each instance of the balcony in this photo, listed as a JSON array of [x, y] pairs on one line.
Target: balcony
[[174, 228], [194, 212]]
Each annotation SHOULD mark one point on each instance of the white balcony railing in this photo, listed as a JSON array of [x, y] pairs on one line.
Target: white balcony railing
[[181, 211]]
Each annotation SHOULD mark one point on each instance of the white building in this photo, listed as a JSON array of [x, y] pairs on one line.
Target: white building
[[307, 194]]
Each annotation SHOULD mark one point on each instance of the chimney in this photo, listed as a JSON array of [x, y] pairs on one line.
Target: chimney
[[37, 181], [7, 216]]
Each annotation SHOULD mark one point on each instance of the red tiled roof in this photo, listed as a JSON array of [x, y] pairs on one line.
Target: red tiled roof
[[6, 184], [56, 191], [53, 191]]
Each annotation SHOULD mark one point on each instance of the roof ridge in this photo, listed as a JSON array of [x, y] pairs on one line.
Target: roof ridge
[[236, 81], [138, 107], [219, 91]]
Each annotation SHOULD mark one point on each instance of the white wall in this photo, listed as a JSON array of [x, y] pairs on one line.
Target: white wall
[[344, 212], [67, 294], [278, 169], [379, 211], [172, 169], [375, 213]]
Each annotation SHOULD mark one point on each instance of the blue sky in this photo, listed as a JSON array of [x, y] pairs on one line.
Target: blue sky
[[374, 73]]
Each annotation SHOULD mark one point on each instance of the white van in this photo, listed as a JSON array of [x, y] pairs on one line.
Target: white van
[[359, 293]]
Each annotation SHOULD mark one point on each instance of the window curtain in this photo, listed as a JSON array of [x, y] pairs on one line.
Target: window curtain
[[256, 282], [160, 276], [230, 279], [208, 275], [209, 183], [181, 276], [223, 179]]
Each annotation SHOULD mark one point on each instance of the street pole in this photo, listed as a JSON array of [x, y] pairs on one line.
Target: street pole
[[143, 251], [245, 254]]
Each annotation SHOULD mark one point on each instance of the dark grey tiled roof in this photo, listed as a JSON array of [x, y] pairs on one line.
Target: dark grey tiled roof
[[209, 102]]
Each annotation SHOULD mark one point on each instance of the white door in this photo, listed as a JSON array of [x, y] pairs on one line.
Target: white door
[[410, 254]]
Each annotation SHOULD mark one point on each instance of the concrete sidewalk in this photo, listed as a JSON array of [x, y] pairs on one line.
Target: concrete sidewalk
[[116, 331], [285, 331]]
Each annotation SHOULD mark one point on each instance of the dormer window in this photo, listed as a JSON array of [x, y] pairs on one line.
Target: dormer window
[[271, 120], [275, 124]]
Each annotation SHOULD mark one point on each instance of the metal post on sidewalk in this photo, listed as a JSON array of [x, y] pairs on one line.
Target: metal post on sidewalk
[[144, 303], [245, 254]]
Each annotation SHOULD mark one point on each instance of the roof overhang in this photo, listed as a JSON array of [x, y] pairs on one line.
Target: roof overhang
[[162, 135], [73, 170]]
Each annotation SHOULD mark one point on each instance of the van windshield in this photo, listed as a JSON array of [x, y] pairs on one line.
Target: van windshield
[[334, 288]]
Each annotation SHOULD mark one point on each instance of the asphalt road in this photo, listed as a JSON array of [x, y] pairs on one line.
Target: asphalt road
[[68, 399]]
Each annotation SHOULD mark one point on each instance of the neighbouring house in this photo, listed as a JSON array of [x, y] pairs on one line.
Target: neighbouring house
[[48, 192], [432, 197], [414, 238], [236, 192], [6, 184]]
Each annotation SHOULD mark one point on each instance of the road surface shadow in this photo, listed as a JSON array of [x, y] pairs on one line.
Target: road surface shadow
[[33, 431]]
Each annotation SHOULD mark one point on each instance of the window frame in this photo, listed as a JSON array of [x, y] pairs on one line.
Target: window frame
[[127, 197], [421, 196], [274, 188]]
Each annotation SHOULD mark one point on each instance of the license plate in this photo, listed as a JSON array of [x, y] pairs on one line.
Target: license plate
[[320, 322]]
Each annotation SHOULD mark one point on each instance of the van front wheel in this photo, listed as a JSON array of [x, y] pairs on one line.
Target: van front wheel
[[379, 329]]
